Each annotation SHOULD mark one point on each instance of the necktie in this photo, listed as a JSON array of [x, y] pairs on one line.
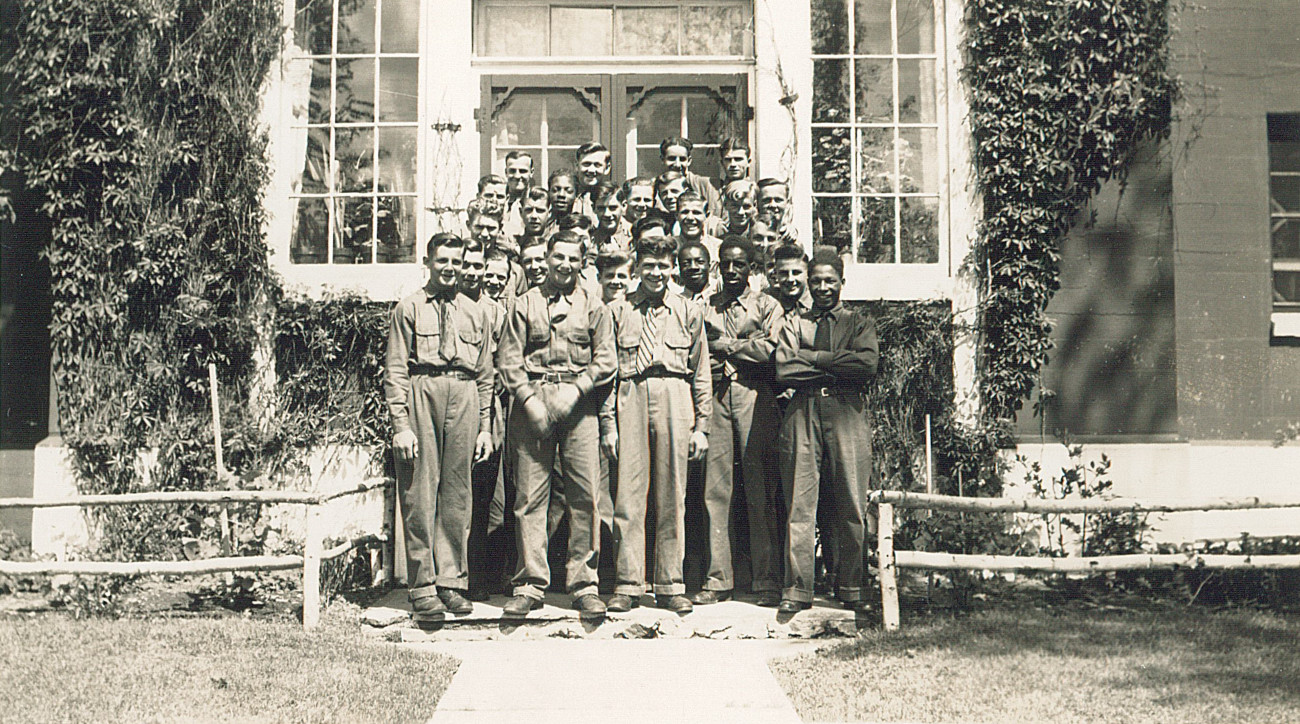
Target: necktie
[[822, 339], [447, 341], [731, 323], [645, 351]]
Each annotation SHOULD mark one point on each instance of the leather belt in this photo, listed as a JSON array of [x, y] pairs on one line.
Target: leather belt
[[553, 377], [658, 372], [830, 391], [435, 371]]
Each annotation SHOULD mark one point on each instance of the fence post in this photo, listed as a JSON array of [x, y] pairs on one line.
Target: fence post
[[888, 571], [311, 558]]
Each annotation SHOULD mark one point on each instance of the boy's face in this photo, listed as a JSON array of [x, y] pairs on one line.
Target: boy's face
[[494, 194], [741, 210], [677, 158], [824, 286], [654, 272], [445, 266], [790, 278], [690, 216], [614, 281], [735, 165], [669, 193], [495, 274], [519, 175], [485, 230], [593, 167], [639, 201], [533, 260], [536, 213], [773, 200], [471, 274], [562, 194], [562, 263], [609, 211], [693, 266], [734, 267]]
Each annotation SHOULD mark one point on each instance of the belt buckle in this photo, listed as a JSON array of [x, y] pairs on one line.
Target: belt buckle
[[823, 392], [551, 377]]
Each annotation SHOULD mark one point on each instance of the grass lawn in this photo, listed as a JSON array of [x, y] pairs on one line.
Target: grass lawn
[[1176, 665], [229, 669]]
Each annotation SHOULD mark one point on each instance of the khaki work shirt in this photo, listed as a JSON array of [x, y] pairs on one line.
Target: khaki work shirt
[[550, 331], [415, 338], [755, 319]]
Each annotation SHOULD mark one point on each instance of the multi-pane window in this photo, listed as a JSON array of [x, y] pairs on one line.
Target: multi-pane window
[[600, 28], [878, 160], [357, 71], [1284, 207]]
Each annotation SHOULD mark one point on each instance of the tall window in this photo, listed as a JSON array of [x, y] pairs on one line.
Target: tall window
[[878, 154], [1284, 208], [357, 73]]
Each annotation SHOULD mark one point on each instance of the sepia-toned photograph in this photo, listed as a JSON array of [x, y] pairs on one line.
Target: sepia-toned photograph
[[754, 361]]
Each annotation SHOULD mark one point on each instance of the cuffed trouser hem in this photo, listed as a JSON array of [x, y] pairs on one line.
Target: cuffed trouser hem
[[670, 589], [416, 594], [718, 585], [530, 591], [848, 594], [459, 584], [797, 594], [764, 586], [635, 590], [583, 590]]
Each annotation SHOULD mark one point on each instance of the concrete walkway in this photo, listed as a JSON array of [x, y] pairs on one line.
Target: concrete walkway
[[576, 682]]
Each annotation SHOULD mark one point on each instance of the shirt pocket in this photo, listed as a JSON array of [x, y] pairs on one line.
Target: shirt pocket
[[628, 340], [471, 341], [428, 336], [579, 346], [677, 349]]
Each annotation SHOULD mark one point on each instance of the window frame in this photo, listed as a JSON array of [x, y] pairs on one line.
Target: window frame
[[1283, 216], [939, 126]]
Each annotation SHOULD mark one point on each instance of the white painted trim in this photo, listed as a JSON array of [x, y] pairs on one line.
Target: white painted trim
[[1286, 324]]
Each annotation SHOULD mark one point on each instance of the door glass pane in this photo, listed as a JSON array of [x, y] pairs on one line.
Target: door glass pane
[[357, 26], [518, 118], [354, 95], [395, 229], [708, 118], [313, 26], [1285, 194], [918, 160], [872, 20], [557, 159], [645, 31], [401, 26], [1286, 239], [647, 162], [550, 123], [830, 24], [310, 227], [919, 233], [658, 116], [713, 30], [582, 31], [399, 83], [876, 230], [875, 91], [397, 160], [915, 26], [916, 91], [515, 30], [353, 224], [1286, 287], [570, 121]]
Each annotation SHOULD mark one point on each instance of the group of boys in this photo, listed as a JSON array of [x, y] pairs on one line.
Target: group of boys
[[581, 350]]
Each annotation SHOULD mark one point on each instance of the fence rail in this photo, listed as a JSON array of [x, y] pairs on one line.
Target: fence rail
[[891, 560]]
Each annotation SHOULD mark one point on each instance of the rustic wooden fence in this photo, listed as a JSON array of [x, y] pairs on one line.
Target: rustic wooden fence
[[891, 560], [313, 555]]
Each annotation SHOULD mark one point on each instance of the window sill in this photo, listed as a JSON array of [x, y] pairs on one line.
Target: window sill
[[378, 282], [867, 282], [1286, 327]]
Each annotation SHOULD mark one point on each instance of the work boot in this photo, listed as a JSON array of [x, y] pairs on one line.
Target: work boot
[[519, 606], [455, 602], [589, 606]]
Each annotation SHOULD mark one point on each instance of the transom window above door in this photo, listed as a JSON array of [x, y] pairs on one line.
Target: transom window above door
[[598, 29]]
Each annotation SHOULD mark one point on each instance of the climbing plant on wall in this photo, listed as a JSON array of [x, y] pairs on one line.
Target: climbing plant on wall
[[1062, 93]]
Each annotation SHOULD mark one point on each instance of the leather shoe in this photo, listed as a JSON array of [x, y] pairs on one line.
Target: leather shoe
[[767, 599], [519, 606], [676, 604], [429, 608], [858, 605], [705, 597], [789, 605], [589, 606], [455, 602], [621, 603]]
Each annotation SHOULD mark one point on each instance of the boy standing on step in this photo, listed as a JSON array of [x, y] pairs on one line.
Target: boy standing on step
[[438, 384]]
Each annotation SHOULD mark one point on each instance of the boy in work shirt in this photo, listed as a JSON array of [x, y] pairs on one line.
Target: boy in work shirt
[[662, 402], [556, 348], [675, 153], [742, 324], [438, 385], [827, 354]]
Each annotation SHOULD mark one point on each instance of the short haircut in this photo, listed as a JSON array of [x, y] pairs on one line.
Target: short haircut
[[826, 255], [733, 143], [519, 154], [769, 181], [653, 218], [530, 242], [666, 178], [589, 148], [562, 173], [694, 245], [689, 196], [478, 208], [574, 221], [643, 181], [671, 141], [739, 189], [537, 193], [489, 180], [656, 246], [604, 190], [731, 241], [443, 239], [472, 244], [565, 236], [786, 252], [495, 254], [611, 259]]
